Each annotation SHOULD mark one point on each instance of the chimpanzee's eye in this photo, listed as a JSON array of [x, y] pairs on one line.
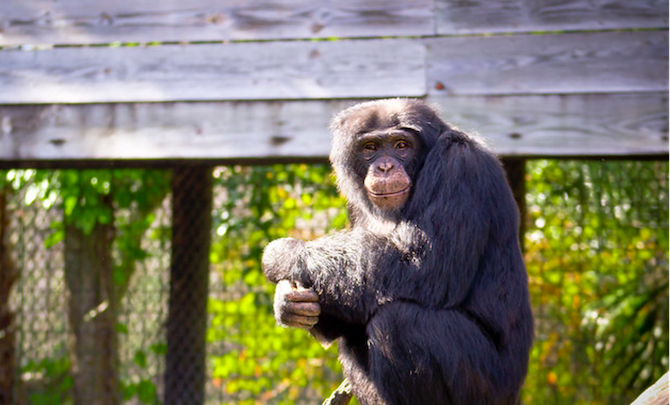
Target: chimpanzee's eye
[[370, 146], [401, 145]]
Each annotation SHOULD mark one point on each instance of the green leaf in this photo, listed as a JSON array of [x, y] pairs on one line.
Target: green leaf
[[140, 358], [158, 348], [146, 392], [129, 391], [69, 204], [121, 328], [119, 277], [54, 238]]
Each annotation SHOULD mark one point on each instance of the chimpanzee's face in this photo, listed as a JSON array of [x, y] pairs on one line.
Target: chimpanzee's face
[[387, 153]]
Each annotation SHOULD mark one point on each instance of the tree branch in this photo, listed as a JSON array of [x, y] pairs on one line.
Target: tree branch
[[341, 396]]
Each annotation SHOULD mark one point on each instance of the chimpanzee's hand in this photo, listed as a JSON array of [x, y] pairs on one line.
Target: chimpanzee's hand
[[296, 306]]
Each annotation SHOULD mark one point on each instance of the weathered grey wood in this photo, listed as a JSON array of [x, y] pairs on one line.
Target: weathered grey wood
[[540, 64], [487, 16], [570, 125], [657, 394], [106, 21], [523, 64], [238, 71], [167, 130], [582, 125], [85, 22]]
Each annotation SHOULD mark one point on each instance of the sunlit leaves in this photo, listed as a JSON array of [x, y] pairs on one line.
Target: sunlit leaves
[[264, 361], [597, 256], [144, 390], [596, 252], [126, 198], [53, 378]]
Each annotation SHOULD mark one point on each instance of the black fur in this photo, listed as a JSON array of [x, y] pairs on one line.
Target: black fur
[[429, 304]]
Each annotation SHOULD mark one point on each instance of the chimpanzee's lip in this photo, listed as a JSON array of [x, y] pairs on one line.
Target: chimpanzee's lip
[[394, 194]]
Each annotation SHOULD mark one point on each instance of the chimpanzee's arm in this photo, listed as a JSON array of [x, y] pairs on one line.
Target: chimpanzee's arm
[[336, 267]]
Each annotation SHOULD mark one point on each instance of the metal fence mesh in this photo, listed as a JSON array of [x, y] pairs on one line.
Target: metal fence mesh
[[169, 305]]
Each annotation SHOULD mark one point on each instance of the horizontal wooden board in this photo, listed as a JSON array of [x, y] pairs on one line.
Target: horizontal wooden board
[[105, 21], [539, 64], [521, 64], [575, 125], [236, 71], [486, 16], [167, 130], [568, 125]]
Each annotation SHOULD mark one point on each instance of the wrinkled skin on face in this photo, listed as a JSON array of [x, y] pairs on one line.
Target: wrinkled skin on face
[[387, 183], [378, 149]]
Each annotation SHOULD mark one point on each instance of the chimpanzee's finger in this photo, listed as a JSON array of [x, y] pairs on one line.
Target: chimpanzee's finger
[[304, 295], [303, 308], [298, 321]]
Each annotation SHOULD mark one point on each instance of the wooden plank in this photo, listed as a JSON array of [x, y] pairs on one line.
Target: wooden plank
[[540, 64], [167, 130], [105, 21], [486, 16], [570, 125], [575, 125], [523, 64], [237, 71]]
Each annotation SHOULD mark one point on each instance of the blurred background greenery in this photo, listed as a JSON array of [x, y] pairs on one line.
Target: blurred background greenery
[[596, 248]]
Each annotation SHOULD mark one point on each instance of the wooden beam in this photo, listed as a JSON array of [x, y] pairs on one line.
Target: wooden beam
[[106, 21], [570, 125], [168, 130], [485, 16], [523, 64], [565, 125], [185, 358], [608, 62], [515, 170], [239, 71]]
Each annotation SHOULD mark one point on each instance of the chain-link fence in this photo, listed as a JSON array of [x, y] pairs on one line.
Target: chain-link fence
[[144, 286]]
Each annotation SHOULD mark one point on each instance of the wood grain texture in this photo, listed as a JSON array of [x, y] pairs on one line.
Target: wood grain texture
[[570, 125], [522, 64], [539, 64], [239, 71], [486, 16], [576, 125], [167, 130], [105, 21]]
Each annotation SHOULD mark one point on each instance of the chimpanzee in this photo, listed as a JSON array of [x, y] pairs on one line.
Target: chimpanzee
[[426, 293]]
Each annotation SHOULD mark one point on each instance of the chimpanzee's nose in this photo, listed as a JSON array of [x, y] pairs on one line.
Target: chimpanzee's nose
[[385, 166]]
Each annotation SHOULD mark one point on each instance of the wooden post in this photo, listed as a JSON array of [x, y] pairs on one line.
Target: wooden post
[[516, 177], [8, 276], [189, 281]]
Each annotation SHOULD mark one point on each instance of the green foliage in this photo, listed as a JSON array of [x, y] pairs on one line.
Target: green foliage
[[144, 390], [596, 252], [49, 380], [127, 198], [263, 362], [597, 257]]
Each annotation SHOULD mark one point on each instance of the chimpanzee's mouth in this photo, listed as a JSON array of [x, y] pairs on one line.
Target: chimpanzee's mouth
[[392, 194]]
